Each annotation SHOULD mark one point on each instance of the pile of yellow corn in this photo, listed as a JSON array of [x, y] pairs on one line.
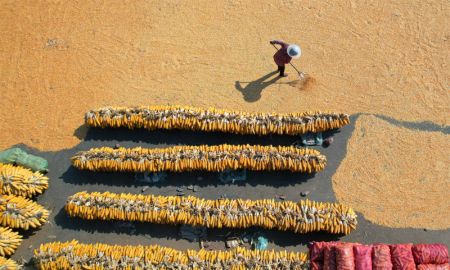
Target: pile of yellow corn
[[72, 255], [19, 212], [16, 180], [302, 217], [16, 211], [8, 264], [9, 241], [209, 158], [181, 117]]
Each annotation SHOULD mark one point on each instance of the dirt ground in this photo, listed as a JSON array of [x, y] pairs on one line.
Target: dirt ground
[[396, 176], [61, 58], [388, 59]]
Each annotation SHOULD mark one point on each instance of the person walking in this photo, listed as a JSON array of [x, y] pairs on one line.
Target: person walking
[[285, 54]]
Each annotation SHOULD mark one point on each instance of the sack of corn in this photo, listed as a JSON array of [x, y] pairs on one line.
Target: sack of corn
[[209, 158], [8, 264], [22, 158], [21, 213], [189, 118], [76, 256], [301, 217], [342, 255], [16, 180], [9, 241]]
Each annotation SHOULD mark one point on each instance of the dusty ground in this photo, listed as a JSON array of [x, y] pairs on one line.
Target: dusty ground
[[61, 58], [389, 58], [396, 176]]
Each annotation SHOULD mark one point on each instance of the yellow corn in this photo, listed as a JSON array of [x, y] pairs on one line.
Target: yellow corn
[[76, 256], [211, 119], [19, 212], [16, 180], [9, 241], [302, 217], [8, 264], [209, 158]]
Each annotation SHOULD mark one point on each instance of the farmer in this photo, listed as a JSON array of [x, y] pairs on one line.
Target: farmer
[[285, 54]]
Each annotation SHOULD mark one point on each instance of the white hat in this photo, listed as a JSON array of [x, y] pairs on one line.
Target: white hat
[[294, 51]]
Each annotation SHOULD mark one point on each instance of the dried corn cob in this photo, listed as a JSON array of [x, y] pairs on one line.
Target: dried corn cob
[[209, 158], [9, 241], [72, 255], [16, 180], [19, 212], [302, 217], [8, 264], [180, 117]]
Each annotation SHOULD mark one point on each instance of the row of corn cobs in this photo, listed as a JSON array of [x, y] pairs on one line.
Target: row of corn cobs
[[8, 264], [72, 255], [189, 118], [19, 181], [302, 217], [21, 213], [209, 158], [16, 211], [322, 255], [9, 241]]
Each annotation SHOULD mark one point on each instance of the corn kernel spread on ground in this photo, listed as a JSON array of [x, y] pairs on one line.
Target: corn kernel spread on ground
[[395, 176], [61, 59]]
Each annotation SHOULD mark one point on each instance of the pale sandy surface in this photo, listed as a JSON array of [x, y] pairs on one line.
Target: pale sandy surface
[[395, 176], [61, 58]]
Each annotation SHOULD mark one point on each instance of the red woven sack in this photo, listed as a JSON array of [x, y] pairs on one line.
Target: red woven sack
[[430, 254], [329, 258], [363, 257], [402, 258], [381, 259], [316, 255], [444, 266], [344, 257], [316, 265]]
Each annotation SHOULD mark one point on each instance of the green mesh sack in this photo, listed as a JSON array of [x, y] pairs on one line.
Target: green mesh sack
[[22, 158], [10, 155]]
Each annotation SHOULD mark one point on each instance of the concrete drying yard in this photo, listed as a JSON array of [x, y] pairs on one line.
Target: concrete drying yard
[[66, 180]]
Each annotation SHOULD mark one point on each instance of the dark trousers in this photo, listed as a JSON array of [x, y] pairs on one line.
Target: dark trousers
[[281, 70]]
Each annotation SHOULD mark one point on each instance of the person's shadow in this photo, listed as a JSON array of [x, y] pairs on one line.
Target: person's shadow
[[252, 91]]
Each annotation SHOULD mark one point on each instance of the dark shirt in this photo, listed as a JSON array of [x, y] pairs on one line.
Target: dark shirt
[[281, 57]]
